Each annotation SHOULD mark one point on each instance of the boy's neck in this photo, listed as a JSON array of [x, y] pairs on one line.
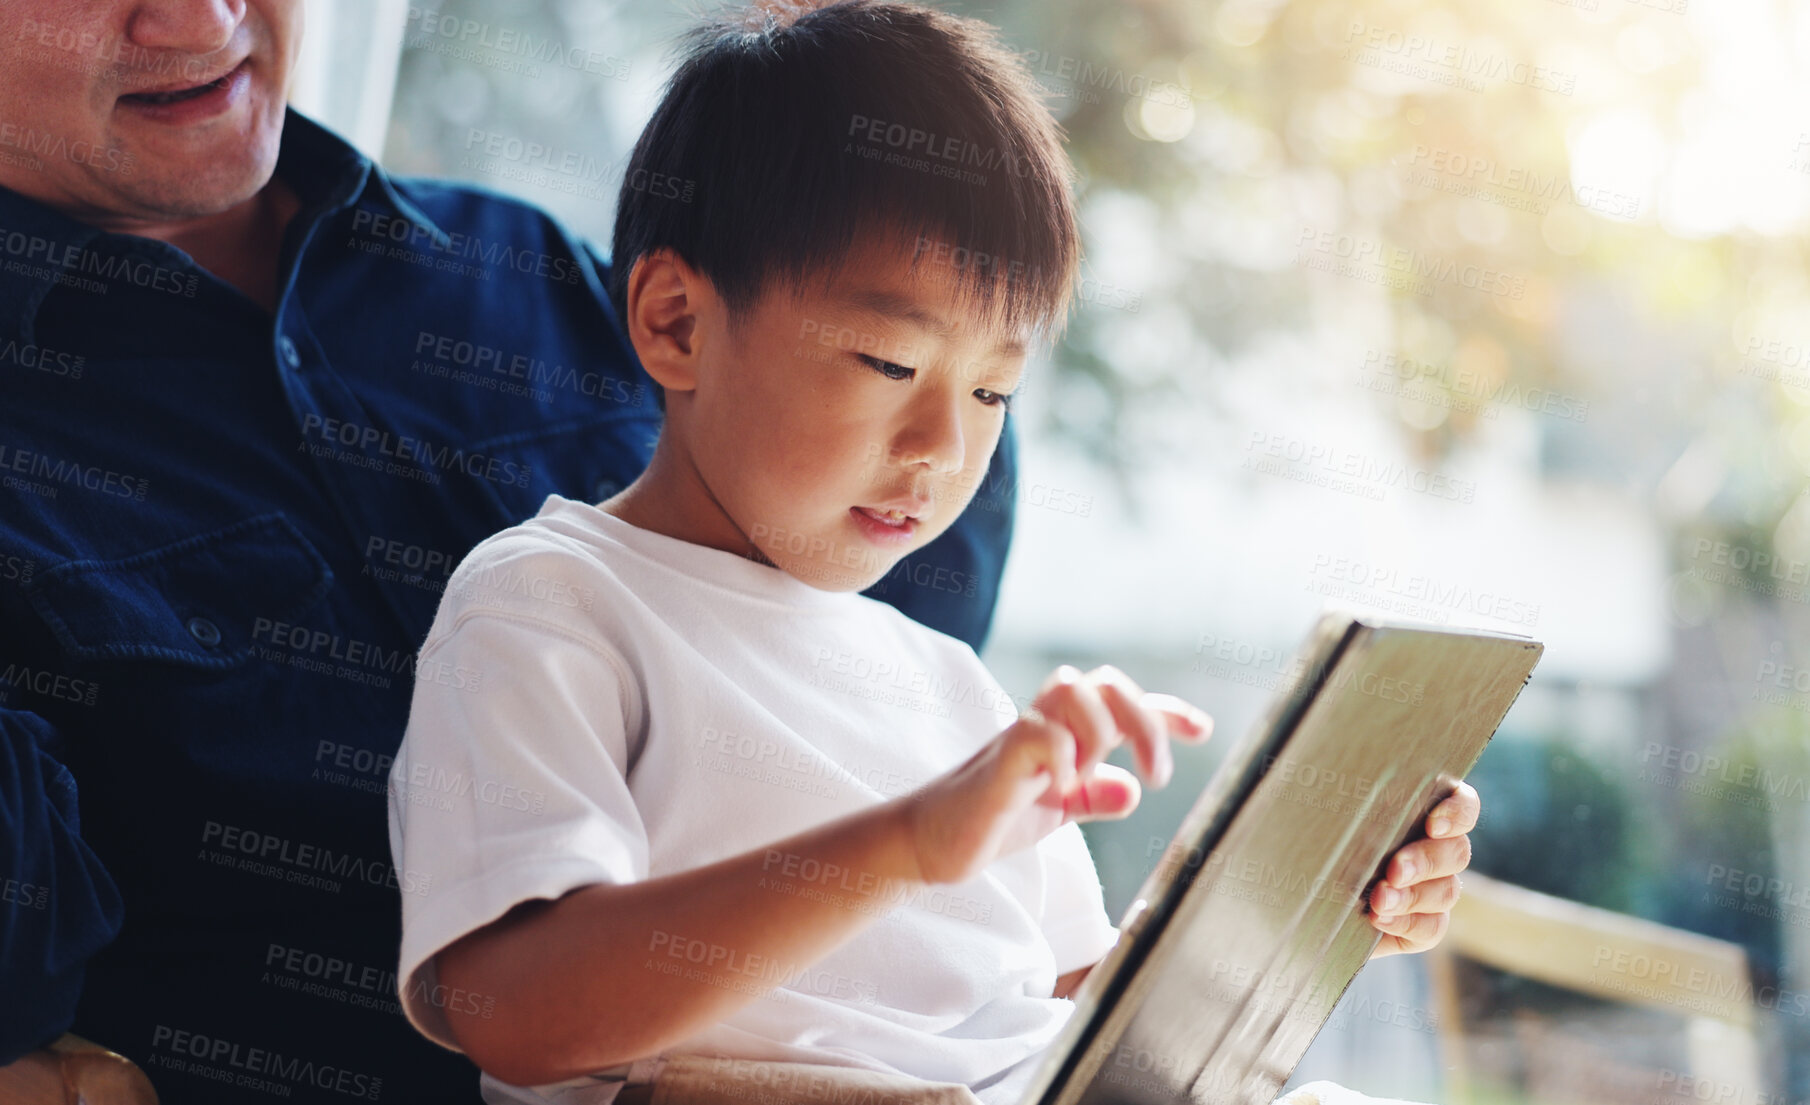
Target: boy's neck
[[670, 498]]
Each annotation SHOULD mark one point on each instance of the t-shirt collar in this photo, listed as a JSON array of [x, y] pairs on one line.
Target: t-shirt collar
[[716, 566]]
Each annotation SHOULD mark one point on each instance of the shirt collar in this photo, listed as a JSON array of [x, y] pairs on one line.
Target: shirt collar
[[330, 175], [35, 243], [327, 173]]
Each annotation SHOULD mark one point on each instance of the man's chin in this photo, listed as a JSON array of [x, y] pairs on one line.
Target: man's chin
[[179, 192], [185, 176]]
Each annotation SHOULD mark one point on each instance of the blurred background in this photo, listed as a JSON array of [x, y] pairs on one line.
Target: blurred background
[[1478, 314]]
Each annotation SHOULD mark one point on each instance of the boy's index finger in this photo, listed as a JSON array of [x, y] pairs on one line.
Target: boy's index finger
[[1457, 814], [1142, 725], [1188, 721]]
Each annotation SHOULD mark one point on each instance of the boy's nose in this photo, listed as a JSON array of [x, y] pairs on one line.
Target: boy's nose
[[933, 435], [191, 26]]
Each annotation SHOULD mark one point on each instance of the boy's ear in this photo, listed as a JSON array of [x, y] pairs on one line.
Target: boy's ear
[[664, 298]]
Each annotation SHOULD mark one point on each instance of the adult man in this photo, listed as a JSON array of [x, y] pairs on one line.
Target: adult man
[[256, 400]]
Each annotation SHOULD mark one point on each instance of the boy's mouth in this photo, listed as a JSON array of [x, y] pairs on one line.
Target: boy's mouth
[[890, 517], [884, 525]]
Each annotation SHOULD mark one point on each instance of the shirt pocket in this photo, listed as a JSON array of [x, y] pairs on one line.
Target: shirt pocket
[[194, 603]]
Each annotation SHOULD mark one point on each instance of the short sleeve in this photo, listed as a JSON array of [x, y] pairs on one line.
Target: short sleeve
[[1074, 909], [510, 785]]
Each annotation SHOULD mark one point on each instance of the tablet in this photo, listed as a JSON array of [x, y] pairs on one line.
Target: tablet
[[1254, 922]]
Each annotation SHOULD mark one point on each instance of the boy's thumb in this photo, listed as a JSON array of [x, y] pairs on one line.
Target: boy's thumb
[[1107, 794]]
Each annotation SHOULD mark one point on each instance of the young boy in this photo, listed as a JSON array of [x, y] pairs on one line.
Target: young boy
[[670, 785]]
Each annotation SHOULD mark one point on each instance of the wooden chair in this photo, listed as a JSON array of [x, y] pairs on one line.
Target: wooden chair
[[1607, 955]]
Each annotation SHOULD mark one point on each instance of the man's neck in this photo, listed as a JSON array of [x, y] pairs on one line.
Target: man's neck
[[242, 245]]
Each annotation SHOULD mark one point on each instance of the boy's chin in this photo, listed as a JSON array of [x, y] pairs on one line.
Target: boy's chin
[[826, 577]]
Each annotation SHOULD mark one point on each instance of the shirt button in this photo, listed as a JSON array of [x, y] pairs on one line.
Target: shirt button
[[204, 631], [291, 355], [604, 489]]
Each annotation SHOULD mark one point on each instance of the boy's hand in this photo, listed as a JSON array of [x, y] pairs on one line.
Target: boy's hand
[[1045, 769], [1414, 900]]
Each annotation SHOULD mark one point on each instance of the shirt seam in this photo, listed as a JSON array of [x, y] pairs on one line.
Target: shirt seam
[[606, 652]]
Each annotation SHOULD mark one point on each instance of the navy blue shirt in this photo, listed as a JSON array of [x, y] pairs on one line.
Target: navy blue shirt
[[223, 535]]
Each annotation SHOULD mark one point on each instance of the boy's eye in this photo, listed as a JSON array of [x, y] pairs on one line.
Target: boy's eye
[[900, 372], [885, 368]]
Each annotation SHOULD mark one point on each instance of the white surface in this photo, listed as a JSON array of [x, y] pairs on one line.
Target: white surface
[[345, 77]]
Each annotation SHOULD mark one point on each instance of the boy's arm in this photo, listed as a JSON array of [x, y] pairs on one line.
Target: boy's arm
[[1070, 982], [577, 983], [581, 983]]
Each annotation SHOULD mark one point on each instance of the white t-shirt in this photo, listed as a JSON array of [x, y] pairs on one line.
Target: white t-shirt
[[597, 702]]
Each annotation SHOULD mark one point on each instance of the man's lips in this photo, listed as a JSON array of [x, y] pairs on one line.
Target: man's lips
[[175, 94]]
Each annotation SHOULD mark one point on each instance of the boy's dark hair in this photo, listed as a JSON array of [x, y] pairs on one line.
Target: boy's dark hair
[[792, 129]]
